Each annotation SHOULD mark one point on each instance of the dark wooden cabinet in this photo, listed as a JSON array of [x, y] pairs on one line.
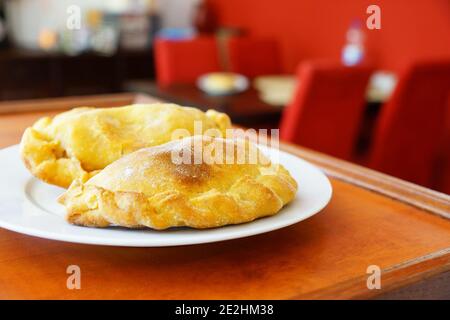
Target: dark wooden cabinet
[[30, 74]]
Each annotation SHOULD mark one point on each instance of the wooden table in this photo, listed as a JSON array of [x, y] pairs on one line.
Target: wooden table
[[245, 108], [372, 219]]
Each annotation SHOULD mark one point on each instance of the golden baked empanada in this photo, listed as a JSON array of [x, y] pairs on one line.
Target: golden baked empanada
[[166, 186], [78, 143]]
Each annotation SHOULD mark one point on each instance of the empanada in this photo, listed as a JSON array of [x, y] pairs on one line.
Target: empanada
[[161, 187], [78, 143]]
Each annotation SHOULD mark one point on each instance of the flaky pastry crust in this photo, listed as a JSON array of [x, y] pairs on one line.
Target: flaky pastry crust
[[148, 189], [78, 143]]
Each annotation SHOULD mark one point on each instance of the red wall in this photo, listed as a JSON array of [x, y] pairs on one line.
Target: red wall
[[410, 29]]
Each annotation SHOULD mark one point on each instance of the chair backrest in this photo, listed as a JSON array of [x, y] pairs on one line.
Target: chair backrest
[[253, 57], [445, 151], [327, 108], [441, 172], [411, 124], [183, 61]]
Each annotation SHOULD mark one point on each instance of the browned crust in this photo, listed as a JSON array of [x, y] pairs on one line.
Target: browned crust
[[248, 199]]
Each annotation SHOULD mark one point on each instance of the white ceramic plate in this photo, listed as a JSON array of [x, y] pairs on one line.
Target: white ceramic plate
[[29, 206]]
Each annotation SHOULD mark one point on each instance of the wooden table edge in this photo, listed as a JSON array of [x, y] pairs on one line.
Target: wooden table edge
[[426, 199], [409, 272], [64, 103]]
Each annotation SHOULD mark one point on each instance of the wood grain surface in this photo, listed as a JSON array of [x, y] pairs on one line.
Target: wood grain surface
[[372, 219]]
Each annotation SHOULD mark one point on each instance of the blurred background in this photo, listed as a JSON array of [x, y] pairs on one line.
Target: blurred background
[[364, 81]]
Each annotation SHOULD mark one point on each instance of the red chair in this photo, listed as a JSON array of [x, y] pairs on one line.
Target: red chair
[[442, 169], [411, 124], [183, 61], [445, 186], [327, 108], [253, 56]]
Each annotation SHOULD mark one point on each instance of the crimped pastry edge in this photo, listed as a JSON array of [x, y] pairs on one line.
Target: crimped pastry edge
[[93, 206]]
